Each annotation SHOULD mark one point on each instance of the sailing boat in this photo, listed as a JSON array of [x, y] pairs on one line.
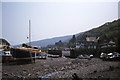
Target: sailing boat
[[25, 52]]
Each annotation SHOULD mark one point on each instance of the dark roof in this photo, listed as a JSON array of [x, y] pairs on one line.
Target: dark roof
[[92, 39], [4, 41]]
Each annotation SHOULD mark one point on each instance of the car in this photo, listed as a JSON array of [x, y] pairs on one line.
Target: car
[[91, 56], [103, 55]]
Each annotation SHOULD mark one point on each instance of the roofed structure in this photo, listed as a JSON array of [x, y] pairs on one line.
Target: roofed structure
[[92, 39], [4, 43]]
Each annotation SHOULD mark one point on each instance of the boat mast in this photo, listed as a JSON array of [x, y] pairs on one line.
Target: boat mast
[[29, 33], [30, 40]]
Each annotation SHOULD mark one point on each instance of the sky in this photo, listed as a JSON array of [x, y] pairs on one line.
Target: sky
[[53, 19]]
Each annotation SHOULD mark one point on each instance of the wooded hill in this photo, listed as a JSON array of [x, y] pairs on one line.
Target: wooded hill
[[108, 31]]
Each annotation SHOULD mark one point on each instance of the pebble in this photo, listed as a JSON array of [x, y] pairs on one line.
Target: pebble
[[29, 74], [24, 72]]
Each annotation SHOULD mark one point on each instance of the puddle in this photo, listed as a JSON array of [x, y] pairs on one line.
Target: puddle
[[50, 74]]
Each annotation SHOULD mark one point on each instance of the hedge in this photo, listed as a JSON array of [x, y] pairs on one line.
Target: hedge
[[96, 52]]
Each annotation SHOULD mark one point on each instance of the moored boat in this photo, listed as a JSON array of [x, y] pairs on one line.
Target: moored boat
[[25, 52]]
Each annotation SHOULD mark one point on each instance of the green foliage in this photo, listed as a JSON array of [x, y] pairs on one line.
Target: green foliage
[[71, 45], [96, 52], [72, 42], [108, 31]]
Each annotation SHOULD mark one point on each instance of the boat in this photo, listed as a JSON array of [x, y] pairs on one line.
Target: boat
[[24, 55], [26, 52]]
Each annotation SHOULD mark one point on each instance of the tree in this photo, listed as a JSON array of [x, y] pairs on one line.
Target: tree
[[72, 42]]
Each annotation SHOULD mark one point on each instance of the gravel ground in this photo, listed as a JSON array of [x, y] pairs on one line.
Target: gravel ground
[[63, 68]]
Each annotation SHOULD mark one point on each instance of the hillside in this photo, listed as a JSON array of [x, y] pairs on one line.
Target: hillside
[[108, 31], [51, 41]]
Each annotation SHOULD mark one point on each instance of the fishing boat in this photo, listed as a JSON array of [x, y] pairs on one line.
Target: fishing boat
[[25, 55], [26, 51]]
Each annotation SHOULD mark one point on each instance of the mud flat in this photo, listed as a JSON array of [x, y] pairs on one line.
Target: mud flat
[[64, 68]]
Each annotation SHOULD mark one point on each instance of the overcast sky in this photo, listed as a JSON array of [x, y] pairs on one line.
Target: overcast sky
[[53, 19]]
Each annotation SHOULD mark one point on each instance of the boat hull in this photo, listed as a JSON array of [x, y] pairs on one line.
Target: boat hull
[[22, 53]]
